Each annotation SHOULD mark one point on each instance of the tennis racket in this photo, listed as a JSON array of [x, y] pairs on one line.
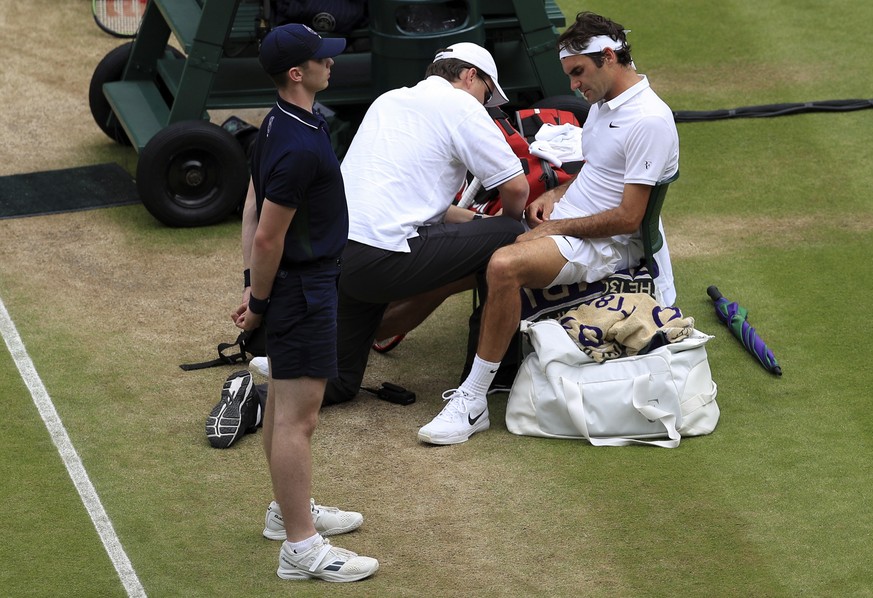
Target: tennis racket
[[119, 18], [470, 193]]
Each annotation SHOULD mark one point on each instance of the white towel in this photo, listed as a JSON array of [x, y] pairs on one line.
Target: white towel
[[558, 144]]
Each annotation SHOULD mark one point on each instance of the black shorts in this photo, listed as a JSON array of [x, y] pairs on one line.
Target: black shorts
[[439, 255], [301, 323]]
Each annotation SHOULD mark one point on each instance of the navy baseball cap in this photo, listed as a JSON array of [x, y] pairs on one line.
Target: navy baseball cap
[[293, 44]]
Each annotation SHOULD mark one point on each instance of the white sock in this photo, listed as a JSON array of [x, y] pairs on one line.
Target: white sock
[[480, 377], [303, 545]]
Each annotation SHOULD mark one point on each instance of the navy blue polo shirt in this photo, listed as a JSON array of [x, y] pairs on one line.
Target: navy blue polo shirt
[[294, 165]]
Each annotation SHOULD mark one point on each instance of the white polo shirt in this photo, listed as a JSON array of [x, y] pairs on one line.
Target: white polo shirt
[[629, 139], [410, 156]]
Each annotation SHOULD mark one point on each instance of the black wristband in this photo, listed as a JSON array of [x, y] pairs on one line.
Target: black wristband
[[258, 306], [247, 278], [478, 216]]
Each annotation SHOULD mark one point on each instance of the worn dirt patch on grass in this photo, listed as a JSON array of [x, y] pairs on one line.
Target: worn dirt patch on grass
[[696, 236]]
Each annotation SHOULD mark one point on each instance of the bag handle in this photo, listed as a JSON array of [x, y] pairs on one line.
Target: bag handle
[[576, 409]]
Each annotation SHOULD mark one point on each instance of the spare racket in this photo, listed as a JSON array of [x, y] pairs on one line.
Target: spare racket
[[120, 18], [469, 193]]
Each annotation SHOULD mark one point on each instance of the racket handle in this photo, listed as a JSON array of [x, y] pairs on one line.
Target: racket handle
[[714, 293], [469, 193]]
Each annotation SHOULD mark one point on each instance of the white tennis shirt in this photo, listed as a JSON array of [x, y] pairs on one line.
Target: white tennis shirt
[[410, 158], [629, 139]]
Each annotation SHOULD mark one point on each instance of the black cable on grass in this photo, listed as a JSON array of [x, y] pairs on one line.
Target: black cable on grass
[[689, 116]]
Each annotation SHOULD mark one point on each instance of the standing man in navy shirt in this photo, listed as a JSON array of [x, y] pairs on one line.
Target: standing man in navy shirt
[[300, 233]]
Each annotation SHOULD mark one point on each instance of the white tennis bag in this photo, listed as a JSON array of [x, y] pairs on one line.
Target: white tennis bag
[[655, 399]]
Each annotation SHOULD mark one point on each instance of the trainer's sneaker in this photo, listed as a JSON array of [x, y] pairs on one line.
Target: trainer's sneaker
[[326, 562], [463, 416], [260, 365], [385, 345], [329, 521], [236, 413]]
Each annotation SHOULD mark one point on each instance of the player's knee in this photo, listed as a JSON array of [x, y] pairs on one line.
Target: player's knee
[[503, 268]]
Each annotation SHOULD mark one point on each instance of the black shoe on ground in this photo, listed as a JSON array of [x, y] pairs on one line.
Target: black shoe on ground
[[235, 414]]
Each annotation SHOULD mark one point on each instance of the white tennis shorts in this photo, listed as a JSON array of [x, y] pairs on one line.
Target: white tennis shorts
[[590, 260]]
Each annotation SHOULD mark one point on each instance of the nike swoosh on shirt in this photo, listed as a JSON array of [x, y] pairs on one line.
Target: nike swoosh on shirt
[[472, 420], [613, 126]]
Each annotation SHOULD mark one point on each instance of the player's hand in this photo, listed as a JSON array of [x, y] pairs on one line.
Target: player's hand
[[538, 212]]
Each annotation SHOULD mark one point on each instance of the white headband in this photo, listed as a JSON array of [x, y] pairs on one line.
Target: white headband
[[597, 44]]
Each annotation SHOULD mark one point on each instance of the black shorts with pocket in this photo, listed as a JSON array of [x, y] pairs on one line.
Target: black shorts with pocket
[[301, 322]]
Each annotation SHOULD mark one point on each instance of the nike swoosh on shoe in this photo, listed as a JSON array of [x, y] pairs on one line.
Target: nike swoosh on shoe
[[472, 420]]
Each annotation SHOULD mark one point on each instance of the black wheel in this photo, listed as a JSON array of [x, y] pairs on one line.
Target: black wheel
[[111, 68], [575, 104], [108, 70], [192, 173]]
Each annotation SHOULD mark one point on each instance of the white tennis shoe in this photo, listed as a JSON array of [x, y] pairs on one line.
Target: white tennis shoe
[[260, 365], [328, 521], [463, 416], [326, 562]]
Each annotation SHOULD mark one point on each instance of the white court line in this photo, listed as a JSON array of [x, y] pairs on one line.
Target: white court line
[[70, 457]]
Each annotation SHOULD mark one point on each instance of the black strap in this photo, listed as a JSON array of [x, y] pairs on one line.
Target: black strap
[[223, 359], [549, 176], [248, 343], [531, 125], [508, 129]]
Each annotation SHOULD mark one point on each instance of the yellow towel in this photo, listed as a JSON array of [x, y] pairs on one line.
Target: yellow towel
[[623, 324]]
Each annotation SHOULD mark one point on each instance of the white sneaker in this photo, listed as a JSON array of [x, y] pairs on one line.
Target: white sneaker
[[329, 521], [260, 365], [463, 416], [326, 562]]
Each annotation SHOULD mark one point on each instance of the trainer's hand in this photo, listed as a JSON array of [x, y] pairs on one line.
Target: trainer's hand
[[248, 320], [239, 311]]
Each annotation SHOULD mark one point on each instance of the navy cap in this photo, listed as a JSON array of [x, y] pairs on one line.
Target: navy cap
[[293, 44]]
